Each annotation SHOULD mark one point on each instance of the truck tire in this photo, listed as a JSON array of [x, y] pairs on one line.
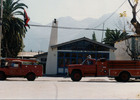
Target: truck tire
[[2, 76], [31, 76], [124, 77], [76, 76]]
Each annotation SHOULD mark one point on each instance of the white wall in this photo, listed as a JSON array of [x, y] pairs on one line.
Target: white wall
[[51, 64], [120, 53], [112, 55]]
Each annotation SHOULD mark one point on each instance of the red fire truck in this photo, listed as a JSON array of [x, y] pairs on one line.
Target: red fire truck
[[29, 69], [122, 71]]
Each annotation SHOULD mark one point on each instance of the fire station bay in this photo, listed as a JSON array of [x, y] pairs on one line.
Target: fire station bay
[[72, 52]]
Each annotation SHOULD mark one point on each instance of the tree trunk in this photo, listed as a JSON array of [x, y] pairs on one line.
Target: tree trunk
[[134, 21]]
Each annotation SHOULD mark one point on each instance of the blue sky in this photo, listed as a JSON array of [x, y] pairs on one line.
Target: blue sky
[[44, 11]]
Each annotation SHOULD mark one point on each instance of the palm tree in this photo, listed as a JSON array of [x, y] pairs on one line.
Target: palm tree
[[113, 36], [13, 28]]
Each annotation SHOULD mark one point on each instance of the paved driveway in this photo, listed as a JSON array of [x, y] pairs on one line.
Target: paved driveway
[[64, 88]]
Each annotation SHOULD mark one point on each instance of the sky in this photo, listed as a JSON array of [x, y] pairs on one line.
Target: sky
[[44, 11]]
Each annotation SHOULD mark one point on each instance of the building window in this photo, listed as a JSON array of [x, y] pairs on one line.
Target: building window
[[84, 46], [99, 55], [80, 60], [60, 62], [74, 55], [106, 55], [61, 54]]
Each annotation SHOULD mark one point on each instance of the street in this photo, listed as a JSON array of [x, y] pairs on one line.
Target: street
[[64, 88]]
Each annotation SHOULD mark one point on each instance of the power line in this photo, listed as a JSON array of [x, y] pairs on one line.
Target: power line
[[111, 14], [72, 28]]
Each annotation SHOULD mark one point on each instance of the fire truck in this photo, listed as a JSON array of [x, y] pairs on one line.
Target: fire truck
[[121, 70], [29, 69]]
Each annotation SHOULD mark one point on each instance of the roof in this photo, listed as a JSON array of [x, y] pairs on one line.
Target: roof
[[42, 54], [83, 38], [27, 54]]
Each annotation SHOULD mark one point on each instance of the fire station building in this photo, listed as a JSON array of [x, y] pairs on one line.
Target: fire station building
[[73, 52]]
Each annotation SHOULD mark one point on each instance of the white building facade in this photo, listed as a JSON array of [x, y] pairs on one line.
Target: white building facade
[[127, 47]]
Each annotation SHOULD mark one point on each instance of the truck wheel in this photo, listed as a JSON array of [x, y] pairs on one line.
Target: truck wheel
[[76, 76], [31, 77], [2, 76], [124, 76]]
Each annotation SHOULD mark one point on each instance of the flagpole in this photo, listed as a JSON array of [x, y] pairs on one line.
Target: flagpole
[[1, 26]]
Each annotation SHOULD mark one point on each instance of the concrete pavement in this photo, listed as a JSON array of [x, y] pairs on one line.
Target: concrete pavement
[[64, 88]]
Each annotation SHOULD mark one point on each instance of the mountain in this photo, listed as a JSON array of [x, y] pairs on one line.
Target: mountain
[[37, 38]]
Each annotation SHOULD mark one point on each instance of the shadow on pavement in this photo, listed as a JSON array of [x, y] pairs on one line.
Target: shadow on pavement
[[69, 80], [100, 81]]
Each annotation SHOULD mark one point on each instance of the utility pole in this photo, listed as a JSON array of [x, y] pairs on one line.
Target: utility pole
[[1, 16]]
